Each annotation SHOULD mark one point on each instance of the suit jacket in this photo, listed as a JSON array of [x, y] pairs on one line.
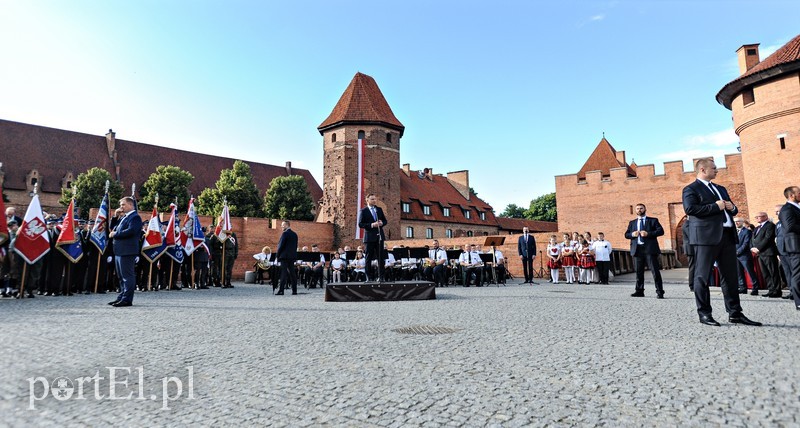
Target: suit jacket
[[128, 234], [764, 240], [706, 218], [743, 246], [365, 220], [526, 250], [287, 246], [790, 223], [687, 249], [653, 229]]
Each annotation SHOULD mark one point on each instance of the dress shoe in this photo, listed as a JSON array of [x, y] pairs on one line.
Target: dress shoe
[[660, 296], [741, 319], [294, 293], [122, 304], [754, 292], [709, 321], [788, 296], [31, 296], [101, 292], [743, 291], [113, 303], [280, 293], [638, 294], [40, 293]]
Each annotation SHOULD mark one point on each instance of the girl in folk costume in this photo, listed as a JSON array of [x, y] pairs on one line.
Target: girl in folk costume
[[593, 275], [568, 259], [553, 258], [587, 263]]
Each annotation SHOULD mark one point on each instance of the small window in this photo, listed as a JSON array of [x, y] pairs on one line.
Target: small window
[[361, 135], [783, 143], [751, 52], [448, 233], [333, 137], [406, 207], [467, 214], [429, 233], [409, 232], [469, 234], [426, 209], [483, 215], [34, 180], [388, 137], [69, 183], [748, 97], [446, 212]]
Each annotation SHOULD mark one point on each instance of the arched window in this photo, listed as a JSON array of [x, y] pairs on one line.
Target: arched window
[[333, 137], [469, 233], [388, 137], [361, 135]]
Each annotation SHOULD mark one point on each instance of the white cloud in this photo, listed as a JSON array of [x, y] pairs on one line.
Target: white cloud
[[715, 139], [715, 144], [597, 17]]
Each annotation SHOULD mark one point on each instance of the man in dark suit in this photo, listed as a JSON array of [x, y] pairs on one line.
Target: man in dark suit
[[712, 235], [372, 220], [287, 255], [785, 270], [745, 257], [643, 232], [687, 249], [526, 247], [764, 246], [126, 236], [790, 223]]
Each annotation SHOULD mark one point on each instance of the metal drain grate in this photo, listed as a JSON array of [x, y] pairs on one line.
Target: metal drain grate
[[560, 291], [425, 329]]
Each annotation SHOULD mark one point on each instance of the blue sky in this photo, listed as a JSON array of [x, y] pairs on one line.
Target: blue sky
[[514, 91]]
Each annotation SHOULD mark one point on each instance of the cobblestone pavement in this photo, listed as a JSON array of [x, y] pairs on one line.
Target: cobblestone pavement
[[521, 355]]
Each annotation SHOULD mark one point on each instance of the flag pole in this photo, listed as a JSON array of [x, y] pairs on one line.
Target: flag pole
[[25, 265], [223, 264], [171, 268], [99, 254], [150, 278]]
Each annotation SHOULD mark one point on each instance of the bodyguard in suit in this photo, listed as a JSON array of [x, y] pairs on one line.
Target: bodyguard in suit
[[790, 223], [526, 247], [687, 249], [643, 232], [287, 255], [126, 249], [764, 246], [372, 220], [745, 257], [782, 251], [712, 236]]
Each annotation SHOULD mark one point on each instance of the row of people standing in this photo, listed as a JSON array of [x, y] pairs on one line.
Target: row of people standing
[[591, 258]]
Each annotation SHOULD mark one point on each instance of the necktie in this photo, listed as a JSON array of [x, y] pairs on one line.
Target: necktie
[[728, 221], [641, 228], [374, 214], [469, 258]]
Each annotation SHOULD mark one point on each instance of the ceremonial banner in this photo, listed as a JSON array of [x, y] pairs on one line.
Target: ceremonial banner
[[191, 233], [362, 143], [224, 226], [169, 235], [152, 254], [99, 235], [153, 237], [68, 242], [32, 241]]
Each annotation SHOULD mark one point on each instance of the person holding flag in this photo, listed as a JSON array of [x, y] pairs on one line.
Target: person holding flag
[[191, 238], [126, 249], [223, 233], [70, 245], [31, 243], [99, 239]]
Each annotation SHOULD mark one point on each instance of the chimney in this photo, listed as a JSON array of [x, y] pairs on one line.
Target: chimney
[[429, 173], [748, 57], [111, 144], [407, 169], [288, 168], [460, 180], [620, 156]]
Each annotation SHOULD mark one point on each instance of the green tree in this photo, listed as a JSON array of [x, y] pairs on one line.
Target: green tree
[[90, 186], [169, 182], [288, 199], [543, 208], [513, 211], [238, 187]]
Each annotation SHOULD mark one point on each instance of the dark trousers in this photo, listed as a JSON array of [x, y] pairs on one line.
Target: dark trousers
[[127, 277], [746, 265], [602, 270], [288, 274], [692, 264], [724, 254], [527, 268], [772, 277], [793, 275], [653, 263], [372, 249]]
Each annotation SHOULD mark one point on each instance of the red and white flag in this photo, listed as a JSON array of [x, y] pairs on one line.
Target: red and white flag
[[224, 225], [169, 235], [153, 237], [191, 232], [33, 241], [362, 143], [68, 235]]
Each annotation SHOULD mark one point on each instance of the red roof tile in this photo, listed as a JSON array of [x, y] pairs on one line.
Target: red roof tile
[[603, 159], [516, 225], [439, 193], [362, 102], [53, 152], [784, 60]]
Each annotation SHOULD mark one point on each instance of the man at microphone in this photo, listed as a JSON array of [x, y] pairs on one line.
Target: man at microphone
[[372, 220]]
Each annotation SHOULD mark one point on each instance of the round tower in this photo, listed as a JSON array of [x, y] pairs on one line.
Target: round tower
[[765, 104], [361, 152]]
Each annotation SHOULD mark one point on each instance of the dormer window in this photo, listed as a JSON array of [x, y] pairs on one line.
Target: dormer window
[[467, 214], [406, 207], [426, 209], [446, 212]]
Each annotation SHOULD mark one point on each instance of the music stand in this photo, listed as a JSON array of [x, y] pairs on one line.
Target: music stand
[[454, 255], [495, 241], [490, 259]]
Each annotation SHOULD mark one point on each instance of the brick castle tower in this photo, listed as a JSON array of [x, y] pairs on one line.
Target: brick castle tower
[[361, 113], [765, 104]]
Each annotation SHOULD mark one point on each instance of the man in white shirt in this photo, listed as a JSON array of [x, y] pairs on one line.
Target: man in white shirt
[[437, 259], [602, 256], [470, 261]]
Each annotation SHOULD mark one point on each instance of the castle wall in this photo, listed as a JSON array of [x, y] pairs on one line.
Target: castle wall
[[606, 205], [768, 168]]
